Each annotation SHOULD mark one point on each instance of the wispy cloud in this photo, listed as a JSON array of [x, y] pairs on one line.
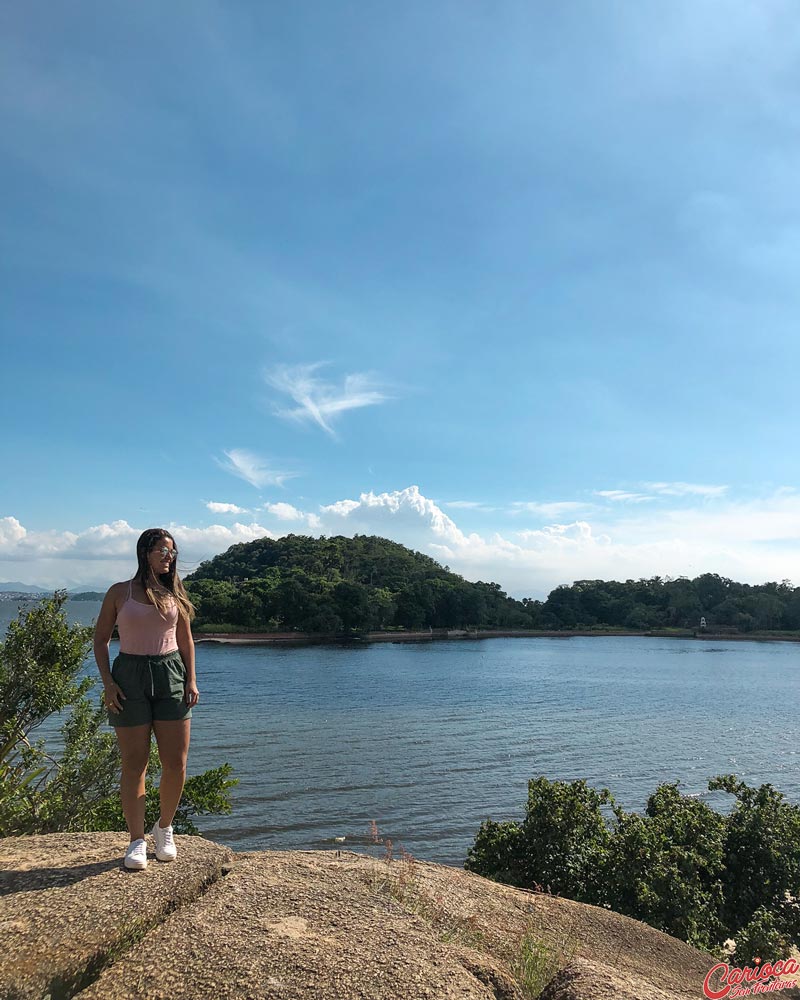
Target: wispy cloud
[[253, 468], [319, 401], [622, 496], [468, 505], [225, 508], [686, 489], [546, 510]]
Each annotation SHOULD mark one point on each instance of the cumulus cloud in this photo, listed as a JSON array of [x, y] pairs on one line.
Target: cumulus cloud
[[196, 544], [225, 508], [253, 468], [577, 533], [400, 513], [11, 531], [284, 511], [322, 402], [104, 553], [751, 541]]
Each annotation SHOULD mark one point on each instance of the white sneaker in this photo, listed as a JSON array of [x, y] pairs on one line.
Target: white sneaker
[[136, 855], [165, 845]]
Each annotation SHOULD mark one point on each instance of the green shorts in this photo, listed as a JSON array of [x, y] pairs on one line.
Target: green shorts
[[153, 687]]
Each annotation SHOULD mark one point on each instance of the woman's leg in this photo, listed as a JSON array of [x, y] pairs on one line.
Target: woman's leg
[[173, 749], [134, 748]]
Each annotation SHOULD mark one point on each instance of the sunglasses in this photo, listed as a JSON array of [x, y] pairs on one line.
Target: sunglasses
[[172, 553]]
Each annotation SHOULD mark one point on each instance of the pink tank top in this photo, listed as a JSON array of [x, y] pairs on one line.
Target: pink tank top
[[143, 630]]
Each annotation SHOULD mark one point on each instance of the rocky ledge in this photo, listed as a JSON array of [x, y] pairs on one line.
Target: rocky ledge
[[327, 925]]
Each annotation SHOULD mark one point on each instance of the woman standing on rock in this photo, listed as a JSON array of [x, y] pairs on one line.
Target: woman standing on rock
[[151, 685]]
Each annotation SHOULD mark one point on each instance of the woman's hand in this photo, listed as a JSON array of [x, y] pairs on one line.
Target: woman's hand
[[112, 695], [192, 695]]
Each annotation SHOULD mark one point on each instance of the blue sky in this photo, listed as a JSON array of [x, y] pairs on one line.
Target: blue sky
[[512, 283]]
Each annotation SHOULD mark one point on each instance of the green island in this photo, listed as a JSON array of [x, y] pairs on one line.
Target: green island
[[367, 584]]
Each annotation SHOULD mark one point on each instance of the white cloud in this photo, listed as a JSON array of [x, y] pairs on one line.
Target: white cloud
[[579, 532], [11, 531], [398, 515], [225, 508], [468, 505], [686, 489], [750, 541], [621, 496], [549, 510], [253, 468], [103, 553], [284, 511], [341, 508], [196, 544], [320, 402]]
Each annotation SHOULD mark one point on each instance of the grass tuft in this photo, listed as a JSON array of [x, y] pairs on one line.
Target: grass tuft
[[533, 959]]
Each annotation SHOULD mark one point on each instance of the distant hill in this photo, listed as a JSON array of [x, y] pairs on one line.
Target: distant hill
[[75, 594], [343, 584]]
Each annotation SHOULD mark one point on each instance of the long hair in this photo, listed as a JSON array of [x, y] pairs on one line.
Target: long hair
[[170, 580]]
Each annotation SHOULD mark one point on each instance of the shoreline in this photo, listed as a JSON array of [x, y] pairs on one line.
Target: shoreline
[[460, 635]]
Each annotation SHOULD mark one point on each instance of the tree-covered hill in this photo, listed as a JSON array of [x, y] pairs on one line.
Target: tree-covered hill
[[339, 584]]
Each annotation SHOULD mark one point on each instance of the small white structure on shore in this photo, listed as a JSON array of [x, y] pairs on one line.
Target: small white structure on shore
[[702, 623]]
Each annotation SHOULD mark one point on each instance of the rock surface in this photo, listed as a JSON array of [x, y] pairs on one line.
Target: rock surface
[[327, 925], [67, 905]]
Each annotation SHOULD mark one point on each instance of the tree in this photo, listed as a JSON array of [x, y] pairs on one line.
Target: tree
[[560, 844], [665, 867], [762, 851], [351, 604], [680, 867], [76, 789]]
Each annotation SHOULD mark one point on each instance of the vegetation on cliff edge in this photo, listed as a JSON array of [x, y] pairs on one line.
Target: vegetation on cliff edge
[[681, 867]]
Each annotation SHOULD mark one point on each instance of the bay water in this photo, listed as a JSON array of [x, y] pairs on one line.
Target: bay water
[[429, 739]]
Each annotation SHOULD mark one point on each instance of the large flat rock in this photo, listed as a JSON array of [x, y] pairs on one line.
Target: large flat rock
[[67, 904], [343, 926], [291, 925]]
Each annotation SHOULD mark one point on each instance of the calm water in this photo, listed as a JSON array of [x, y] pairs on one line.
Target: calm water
[[428, 740]]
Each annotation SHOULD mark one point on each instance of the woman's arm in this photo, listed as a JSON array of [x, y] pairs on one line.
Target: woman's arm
[[183, 636], [102, 633], [102, 636]]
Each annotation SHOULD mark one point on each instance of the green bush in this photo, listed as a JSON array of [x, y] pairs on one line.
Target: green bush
[[681, 867], [78, 789]]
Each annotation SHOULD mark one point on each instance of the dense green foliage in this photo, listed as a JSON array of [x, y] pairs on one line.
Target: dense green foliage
[[343, 584], [76, 788], [662, 602], [681, 867]]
